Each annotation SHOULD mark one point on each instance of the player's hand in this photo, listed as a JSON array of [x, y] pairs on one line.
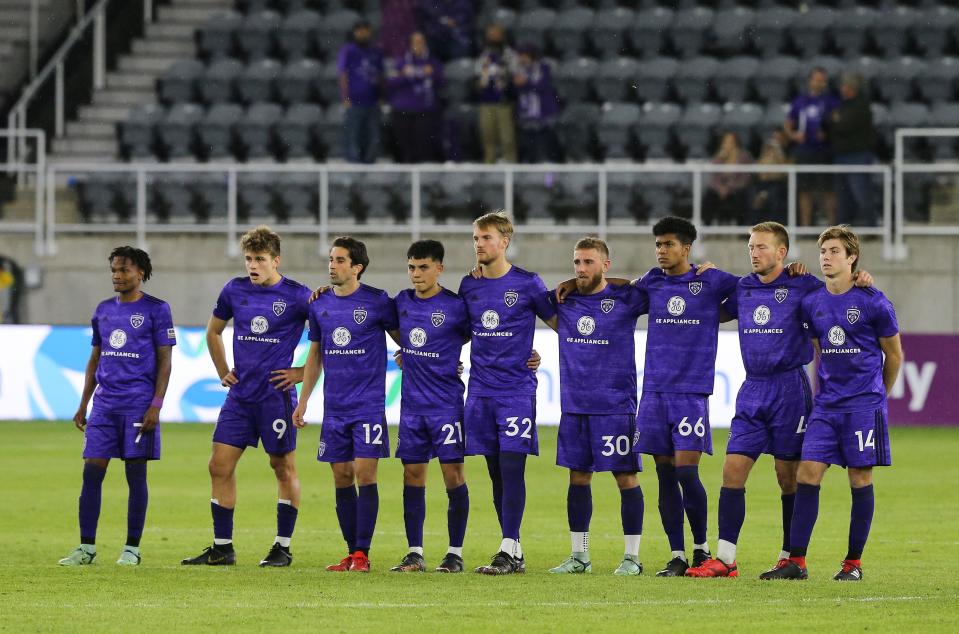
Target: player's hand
[[534, 361], [477, 271], [398, 359], [150, 420], [286, 378], [705, 266], [319, 291], [863, 279], [80, 419], [460, 368], [796, 269], [230, 378], [564, 289], [298, 414]]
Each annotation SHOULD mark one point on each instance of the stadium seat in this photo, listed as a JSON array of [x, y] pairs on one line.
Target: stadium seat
[[298, 194], [655, 78], [328, 84], [211, 197], [255, 131], [689, 30], [944, 115], [505, 17], [296, 132], [452, 196], [532, 26], [664, 194], [615, 130], [137, 131], [938, 79], [744, 120], [532, 195], [655, 130], [696, 128], [833, 66], [851, 28], [648, 35], [295, 36], [934, 28], [178, 82], [257, 80], [621, 201], [379, 191], [489, 192], [97, 197], [173, 197], [460, 77], [809, 30], [694, 78], [574, 77], [297, 81], [731, 30], [576, 129], [773, 119], [615, 79], [217, 85], [216, 131], [332, 32], [255, 35], [177, 129], [775, 78], [345, 202], [908, 115], [733, 79], [866, 66], [568, 32], [577, 198], [330, 131], [256, 196], [610, 31], [214, 39], [891, 31], [894, 81], [253, 6], [770, 30]]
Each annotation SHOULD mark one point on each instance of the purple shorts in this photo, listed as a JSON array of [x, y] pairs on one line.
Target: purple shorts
[[494, 424], [242, 424], [598, 443], [848, 439], [423, 438], [771, 416], [345, 438], [111, 434], [670, 422]]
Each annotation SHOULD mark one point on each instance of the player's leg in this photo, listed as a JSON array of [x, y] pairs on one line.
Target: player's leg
[[414, 515], [786, 472], [631, 508], [805, 513], [691, 436], [732, 515], [481, 438], [287, 508], [574, 451], [344, 483], [91, 494], [136, 474], [860, 521], [457, 513], [694, 502], [222, 469], [367, 509]]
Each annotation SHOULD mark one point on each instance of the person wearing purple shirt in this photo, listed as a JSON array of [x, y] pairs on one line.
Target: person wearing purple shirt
[[268, 312], [448, 26], [360, 68], [596, 326], [857, 335], [495, 68], [129, 367], [433, 325], [537, 108], [347, 340], [412, 82], [804, 127], [500, 416]]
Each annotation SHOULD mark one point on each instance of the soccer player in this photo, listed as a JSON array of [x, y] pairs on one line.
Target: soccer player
[[433, 326], [860, 352], [129, 368], [597, 364], [347, 338], [500, 417], [268, 311]]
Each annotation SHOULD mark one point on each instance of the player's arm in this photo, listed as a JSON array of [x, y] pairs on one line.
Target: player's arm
[[552, 322], [395, 336], [568, 286], [311, 373], [164, 356], [724, 315], [863, 279], [89, 385], [892, 350], [214, 342]]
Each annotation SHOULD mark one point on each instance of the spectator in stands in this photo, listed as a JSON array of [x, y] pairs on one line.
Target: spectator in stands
[[11, 285], [494, 69], [852, 140], [360, 66], [770, 191], [538, 108], [726, 200], [397, 25], [804, 127], [448, 25], [412, 82]]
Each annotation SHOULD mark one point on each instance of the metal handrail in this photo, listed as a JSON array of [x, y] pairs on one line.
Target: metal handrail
[[39, 170], [900, 250]]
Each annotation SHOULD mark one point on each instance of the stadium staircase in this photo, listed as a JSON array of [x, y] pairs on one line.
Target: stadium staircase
[[15, 36]]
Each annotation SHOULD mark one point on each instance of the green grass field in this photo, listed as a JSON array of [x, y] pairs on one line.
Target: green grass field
[[909, 581]]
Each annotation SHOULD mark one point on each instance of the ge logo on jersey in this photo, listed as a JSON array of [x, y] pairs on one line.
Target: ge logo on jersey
[[417, 337], [676, 305], [136, 320], [761, 315], [341, 336], [118, 339], [837, 336], [259, 325], [490, 319], [586, 325]]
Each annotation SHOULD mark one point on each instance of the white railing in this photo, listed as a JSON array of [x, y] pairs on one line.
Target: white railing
[[29, 174]]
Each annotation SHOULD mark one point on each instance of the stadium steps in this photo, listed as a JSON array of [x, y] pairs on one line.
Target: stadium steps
[[15, 35], [92, 137]]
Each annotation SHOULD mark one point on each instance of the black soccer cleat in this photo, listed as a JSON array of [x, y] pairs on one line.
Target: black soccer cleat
[[789, 570], [412, 562], [451, 563], [212, 556], [278, 557], [851, 571], [503, 564], [700, 557], [675, 567]]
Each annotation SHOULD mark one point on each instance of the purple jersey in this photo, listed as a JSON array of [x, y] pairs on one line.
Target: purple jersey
[[351, 332], [683, 329], [597, 332], [848, 328], [363, 67], [772, 336], [502, 315], [416, 92], [808, 113], [267, 326], [538, 103], [128, 334], [432, 334]]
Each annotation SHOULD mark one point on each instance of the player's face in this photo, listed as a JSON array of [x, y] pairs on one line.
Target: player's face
[[833, 259], [489, 244], [765, 254], [424, 273], [125, 274], [590, 266], [670, 251], [818, 81], [342, 269], [261, 267]]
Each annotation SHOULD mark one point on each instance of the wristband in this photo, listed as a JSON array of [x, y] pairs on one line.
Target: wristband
[[157, 402]]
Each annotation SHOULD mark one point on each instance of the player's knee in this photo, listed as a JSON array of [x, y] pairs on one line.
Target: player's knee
[[859, 478], [220, 470], [284, 471], [809, 473], [626, 480], [580, 478], [787, 480], [100, 463]]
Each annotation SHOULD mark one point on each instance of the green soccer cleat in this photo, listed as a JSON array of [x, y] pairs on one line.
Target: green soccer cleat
[[129, 556], [572, 566], [629, 567], [79, 557]]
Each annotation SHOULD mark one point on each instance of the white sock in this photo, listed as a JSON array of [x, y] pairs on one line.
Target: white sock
[[632, 545], [283, 541], [703, 547], [221, 542], [580, 542], [679, 553], [417, 549], [726, 551], [784, 554], [511, 547], [287, 502], [88, 548], [455, 550]]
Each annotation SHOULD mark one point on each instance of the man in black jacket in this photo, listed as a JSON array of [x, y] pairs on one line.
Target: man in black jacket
[[851, 136]]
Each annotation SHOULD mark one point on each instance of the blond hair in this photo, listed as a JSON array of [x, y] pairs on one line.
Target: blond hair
[[845, 235], [261, 240], [778, 231], [592, 242], [497, 220]]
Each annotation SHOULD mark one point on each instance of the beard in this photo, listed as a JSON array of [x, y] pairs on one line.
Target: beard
[[588, 284]]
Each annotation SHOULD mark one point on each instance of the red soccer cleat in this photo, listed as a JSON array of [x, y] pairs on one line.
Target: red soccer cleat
[[361, 563], [713, 568], [851, 571], [343, 566]]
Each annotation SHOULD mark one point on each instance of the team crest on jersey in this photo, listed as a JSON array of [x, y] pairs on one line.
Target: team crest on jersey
[[510, 298], [852, 315], [635, 438], [437, 319], [321, 450], [837, 336], [359, 315], [695, 287], [136, 320], [607, 305], [279, 307], [780, 294]]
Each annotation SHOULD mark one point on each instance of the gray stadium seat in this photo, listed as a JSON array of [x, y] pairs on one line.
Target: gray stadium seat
[[616, 129], [695, 77], [296, 132], [697, 127], [332, 32], [908, 115], [775, 78], [216, 131], [866, 66], [891, 30], [568, 33], [621, 199], [177, 128], [689, 30], [295, 37], [938, 79], [577, 131], [655, 129], [742, 119], [933, 29], [944, 115], [532, 195], [214, 39], [173, 196], [330, 131], [655, 78], [137, 131], [460, 77], [178, 82], [770, 29], [615, 79], [380, 195], [505, 17], [345, 202], [299, 196], [648, 35], [610, 31], [212, 200], [809, 30], [830, 63], [256, 198], [663, 195], [328, 84], [255, 131], [731, 29], [850, 29], [489, 193], [574, 77], [773, 119], [532, 26], [451, 196], [895, 80], [98, 197], [257, 81], [253, 6], [297, 81], [217, 85], [734, 77], [255, 35]]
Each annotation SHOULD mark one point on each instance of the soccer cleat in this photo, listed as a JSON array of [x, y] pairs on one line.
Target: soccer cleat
[[503, 564], [779, 564], [572, 566], [278, 557], [79, 557], [343, 566], [212, 556], [789, 570], [412, 562], [713, 568], [129, 557], [360, 563], [451, 563], [675, 567], [700, 557], [629, 567], [851, 571]]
